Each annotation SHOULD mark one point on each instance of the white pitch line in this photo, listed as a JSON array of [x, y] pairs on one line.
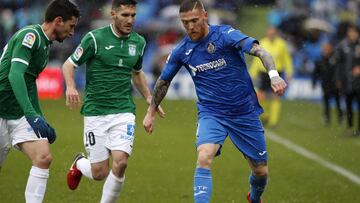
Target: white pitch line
[[310, 155]]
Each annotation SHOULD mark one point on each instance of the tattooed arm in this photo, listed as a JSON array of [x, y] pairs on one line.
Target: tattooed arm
[[277, 83], [264, 56], [161, 88]]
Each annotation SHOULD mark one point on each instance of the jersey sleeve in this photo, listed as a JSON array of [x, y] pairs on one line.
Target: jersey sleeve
[[18, 85], [138, 65], [172, 66], [239, 40], [86, 49], [26, 42]]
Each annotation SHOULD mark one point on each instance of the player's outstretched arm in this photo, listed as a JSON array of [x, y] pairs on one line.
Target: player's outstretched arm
[[277, 83], [72, 95], [37, 122], [160, 90], [140, 83]]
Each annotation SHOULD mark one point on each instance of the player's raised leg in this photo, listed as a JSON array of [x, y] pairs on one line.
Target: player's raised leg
[[203, 177], [74, 174], [39, 153], [115, 180], [258, 180], [83, 167]]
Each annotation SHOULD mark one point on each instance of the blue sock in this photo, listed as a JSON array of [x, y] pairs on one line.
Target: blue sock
[[257, 187], [202, 185]]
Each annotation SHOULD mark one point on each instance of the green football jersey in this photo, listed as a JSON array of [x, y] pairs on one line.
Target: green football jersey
[[30, 47], [110, 60]]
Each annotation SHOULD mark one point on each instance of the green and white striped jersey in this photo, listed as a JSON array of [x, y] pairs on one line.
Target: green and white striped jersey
[[110, 60], [30, 47]]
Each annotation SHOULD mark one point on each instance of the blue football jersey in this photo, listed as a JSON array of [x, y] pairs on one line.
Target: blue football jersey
[[217, 66]]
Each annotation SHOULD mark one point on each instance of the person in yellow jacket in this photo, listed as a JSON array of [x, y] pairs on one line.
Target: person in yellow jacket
[[277, 47]]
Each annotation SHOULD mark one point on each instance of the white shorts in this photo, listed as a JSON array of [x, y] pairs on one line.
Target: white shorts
[[13, 132], [103, 134]]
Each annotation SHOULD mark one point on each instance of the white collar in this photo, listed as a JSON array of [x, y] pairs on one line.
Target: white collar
[[44, 32]]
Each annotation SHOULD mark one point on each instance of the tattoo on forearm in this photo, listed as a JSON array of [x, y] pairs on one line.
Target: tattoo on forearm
[[161, 88], [264, 56]]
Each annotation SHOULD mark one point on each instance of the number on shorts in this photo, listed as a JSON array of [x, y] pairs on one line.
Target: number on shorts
[[90, 138]]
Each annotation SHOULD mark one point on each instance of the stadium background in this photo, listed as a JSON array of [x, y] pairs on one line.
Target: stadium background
[[308, 162]]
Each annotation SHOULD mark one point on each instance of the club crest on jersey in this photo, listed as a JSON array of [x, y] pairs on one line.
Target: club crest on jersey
[[29, 40], [211, 48], [120, 64], [78, 53], [132, 49]]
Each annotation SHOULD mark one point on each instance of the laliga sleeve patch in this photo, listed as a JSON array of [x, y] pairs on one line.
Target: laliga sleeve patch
[[78, 53], [29, 40]]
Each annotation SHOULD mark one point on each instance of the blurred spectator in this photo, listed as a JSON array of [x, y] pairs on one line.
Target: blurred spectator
[[277, 46], [325, 71], [160, 59], [348, 62]]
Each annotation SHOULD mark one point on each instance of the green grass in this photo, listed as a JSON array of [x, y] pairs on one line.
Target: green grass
[[162, 165]]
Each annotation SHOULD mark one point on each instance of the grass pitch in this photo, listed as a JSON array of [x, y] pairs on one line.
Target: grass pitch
[[162, 165]]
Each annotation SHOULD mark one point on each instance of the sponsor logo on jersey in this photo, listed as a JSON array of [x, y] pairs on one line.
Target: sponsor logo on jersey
[[208, 66], [78, 53], [29, 40], [132, 49], [211, 48]]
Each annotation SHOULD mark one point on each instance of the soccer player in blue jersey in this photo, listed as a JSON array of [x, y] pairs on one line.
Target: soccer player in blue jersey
[[227, 102]]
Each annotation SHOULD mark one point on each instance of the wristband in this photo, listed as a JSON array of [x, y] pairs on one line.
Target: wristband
[[273, 73]]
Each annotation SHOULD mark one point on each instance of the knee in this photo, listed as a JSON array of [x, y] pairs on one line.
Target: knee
[[100, 173], [204, 159], [43, 160], [260, 171], [120, 164], [119, 167]]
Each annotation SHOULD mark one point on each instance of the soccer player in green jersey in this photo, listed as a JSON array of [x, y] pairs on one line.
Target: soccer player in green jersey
[[21, 120], [113, 56]]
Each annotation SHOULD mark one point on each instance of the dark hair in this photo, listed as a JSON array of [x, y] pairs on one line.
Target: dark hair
[[189, 5], [117, 3], [63, 8]]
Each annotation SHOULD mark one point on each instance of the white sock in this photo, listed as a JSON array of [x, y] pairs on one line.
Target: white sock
[[84, 166], [112, 188], [36, 185]]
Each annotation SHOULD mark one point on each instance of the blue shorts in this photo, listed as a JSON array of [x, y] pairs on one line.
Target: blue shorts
[[246, 134]]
